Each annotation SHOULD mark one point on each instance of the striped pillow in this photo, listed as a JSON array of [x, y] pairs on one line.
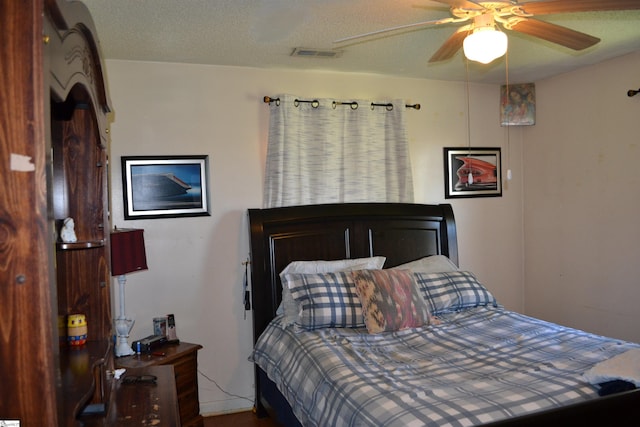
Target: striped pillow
[[453, 291], [325, 300], [289, 307]]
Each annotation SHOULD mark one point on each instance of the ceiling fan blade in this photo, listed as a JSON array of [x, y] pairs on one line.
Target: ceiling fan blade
[[547, 7], [555, 33], [399, 27], [451, 45]]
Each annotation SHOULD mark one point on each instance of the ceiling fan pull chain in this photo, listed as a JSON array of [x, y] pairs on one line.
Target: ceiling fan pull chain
[[470, 175], [506, 62]]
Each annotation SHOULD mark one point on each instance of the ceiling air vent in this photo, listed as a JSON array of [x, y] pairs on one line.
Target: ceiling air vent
[[315, 53]]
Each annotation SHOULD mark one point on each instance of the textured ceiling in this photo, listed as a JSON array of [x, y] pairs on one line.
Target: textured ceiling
[[263, 33]]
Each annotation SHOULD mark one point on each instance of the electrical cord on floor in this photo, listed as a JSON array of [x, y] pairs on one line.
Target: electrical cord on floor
[[223, 390]]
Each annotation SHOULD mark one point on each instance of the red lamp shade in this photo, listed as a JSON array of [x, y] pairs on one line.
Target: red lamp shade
[[127, 251]]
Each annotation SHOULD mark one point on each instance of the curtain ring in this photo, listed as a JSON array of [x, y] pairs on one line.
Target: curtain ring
[[277, 102], [388, 106], [315, 103], [354, 105], [296, 103], [334, 104]]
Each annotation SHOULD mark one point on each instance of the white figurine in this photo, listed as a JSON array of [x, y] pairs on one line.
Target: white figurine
[[67, 233]]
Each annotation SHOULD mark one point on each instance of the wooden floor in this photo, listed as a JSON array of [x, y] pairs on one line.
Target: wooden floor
[[239, 419]]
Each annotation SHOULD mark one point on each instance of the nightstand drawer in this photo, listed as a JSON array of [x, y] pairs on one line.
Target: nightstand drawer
[[188, 404], [186, 370]]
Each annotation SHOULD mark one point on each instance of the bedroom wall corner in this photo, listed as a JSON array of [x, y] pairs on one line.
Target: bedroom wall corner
[[581, 200]]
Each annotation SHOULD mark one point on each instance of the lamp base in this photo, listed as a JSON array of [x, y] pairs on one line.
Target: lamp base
[[122, 347], [123, 327]]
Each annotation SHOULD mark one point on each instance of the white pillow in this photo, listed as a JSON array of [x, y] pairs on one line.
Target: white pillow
[[430, 264], [289, 307]]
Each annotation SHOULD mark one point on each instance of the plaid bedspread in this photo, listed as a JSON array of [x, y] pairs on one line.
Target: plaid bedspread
[[479, 365]]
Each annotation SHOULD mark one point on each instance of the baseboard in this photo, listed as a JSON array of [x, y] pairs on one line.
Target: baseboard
[[209, 409]]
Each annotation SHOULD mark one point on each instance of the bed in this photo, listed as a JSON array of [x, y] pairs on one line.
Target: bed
[[470, 361]]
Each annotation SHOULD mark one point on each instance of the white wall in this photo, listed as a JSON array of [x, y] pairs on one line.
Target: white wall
[[195, 266], [582, 197]]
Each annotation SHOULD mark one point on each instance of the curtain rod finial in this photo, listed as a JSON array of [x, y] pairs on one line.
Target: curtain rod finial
[[269, 100]]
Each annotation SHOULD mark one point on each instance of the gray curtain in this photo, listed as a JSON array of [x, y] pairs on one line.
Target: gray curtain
[[334, 153]]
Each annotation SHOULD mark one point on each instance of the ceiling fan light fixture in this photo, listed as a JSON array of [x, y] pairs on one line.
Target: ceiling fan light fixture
[[485, 44]]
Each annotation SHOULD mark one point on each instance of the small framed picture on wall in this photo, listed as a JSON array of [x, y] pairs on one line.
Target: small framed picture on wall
[[518, 104], [165, 186], [472, 172]]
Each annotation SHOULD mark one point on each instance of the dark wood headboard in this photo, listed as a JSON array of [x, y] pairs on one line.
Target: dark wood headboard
[[401, 232]]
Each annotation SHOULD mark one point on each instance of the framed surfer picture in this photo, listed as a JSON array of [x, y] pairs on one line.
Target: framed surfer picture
[[165, 186]]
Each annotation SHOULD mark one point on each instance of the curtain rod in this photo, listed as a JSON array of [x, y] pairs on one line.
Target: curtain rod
[[354, 105]]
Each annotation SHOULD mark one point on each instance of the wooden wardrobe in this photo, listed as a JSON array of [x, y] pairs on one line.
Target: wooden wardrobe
[[54, 164]]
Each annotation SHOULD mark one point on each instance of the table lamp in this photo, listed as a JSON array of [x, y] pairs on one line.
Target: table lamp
[[127, 255]]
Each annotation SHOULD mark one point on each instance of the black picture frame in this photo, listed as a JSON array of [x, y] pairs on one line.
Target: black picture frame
[[486, 168], [165, 186]]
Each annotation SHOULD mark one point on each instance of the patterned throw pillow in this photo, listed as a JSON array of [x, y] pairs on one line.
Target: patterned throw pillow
[[453, 291], [325, 300], [390, 300]]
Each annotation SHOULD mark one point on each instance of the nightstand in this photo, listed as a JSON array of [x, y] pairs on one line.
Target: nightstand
[[184, 359]]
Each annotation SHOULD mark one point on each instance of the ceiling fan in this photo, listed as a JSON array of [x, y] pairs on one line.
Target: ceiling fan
[[488, 16]]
